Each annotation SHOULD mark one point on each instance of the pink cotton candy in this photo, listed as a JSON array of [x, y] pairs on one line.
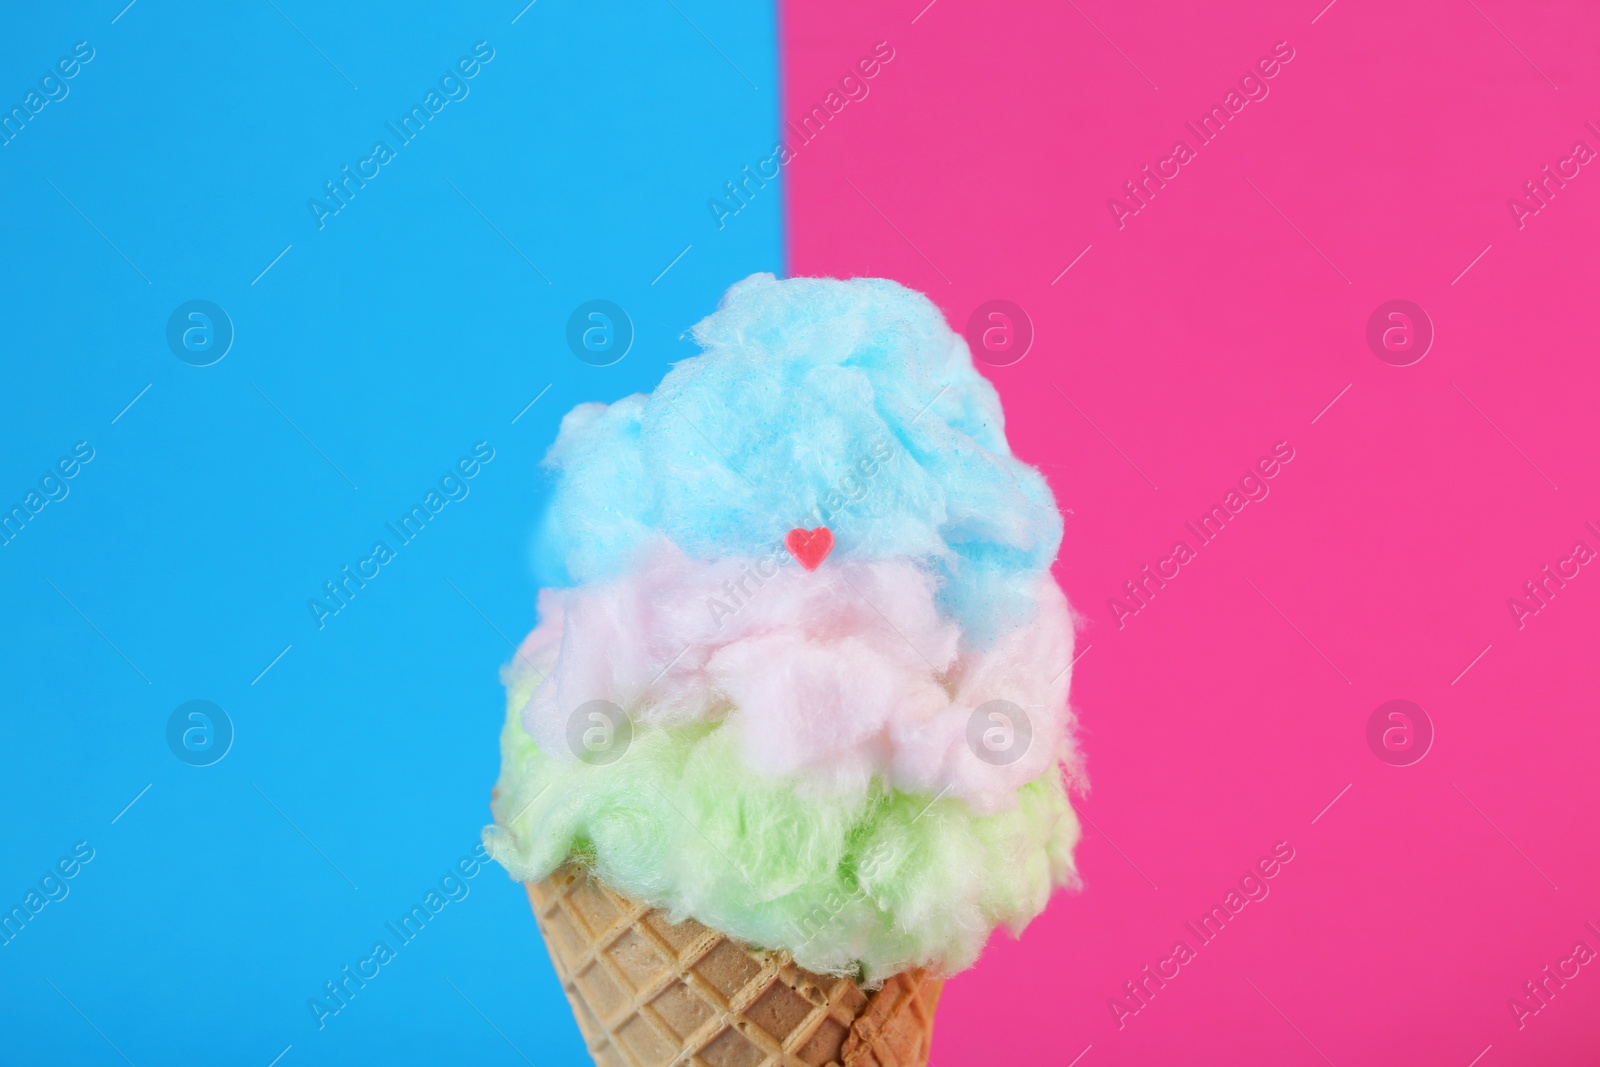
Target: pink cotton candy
[[829, 678]]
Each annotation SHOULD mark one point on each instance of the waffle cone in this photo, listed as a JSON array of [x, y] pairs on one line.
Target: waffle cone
[[648, 993]]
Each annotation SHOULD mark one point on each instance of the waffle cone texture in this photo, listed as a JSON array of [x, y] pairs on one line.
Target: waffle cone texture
[[649, 993]]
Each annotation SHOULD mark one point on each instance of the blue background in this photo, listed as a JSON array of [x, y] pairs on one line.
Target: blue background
[[413, 325]]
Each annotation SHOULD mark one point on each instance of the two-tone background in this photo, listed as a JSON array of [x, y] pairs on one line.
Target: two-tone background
[[387, 314]]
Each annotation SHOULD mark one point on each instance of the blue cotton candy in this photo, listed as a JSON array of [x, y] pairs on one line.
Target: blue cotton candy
[[803, 388]]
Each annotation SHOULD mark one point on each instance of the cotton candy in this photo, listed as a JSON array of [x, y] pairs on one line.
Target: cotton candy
[[773, 427], [833, 680], [861, 759], [864, 884]]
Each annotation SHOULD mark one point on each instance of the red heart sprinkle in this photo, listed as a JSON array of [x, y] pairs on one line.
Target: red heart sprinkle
[[810, 547]]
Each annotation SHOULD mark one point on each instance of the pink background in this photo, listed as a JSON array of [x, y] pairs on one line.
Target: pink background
[[1195, 338]]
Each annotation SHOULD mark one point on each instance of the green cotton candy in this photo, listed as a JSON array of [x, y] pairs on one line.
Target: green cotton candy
[[865, 884]]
